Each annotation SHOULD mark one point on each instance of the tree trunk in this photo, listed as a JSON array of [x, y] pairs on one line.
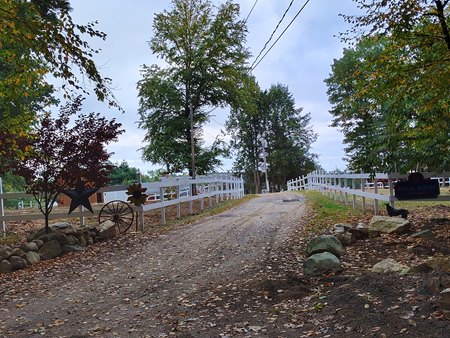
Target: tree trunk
[[443, 22], [256, 180]]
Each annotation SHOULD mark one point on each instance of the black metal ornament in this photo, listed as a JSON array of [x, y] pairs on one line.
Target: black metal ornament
[[80, 196]]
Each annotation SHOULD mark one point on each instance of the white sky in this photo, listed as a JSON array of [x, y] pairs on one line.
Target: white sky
[[301, 60]]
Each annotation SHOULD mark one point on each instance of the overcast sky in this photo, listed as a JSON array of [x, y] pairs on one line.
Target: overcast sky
[[301, 60]]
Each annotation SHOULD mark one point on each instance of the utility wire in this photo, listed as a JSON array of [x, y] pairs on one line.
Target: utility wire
[[245, 21], [220, 124], [290, 23], [273, 33]]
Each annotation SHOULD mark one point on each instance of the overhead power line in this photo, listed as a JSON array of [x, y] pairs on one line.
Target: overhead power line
[[282, 33], [251, 10], [273, 33]]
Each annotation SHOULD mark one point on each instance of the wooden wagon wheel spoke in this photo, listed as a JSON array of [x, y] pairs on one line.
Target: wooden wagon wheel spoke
[[108, 211], [118, 212], [108, 207]]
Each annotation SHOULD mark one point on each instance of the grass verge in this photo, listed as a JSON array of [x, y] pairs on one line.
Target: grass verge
[[324, 212]]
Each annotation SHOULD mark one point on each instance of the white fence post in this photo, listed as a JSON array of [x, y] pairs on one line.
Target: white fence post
[[81, 209], [178, 204], [354, 196], [363, 187], [375, 201]]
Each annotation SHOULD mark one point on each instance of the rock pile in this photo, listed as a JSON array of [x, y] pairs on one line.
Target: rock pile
[[438, 268], [323, 256], [62, 237]]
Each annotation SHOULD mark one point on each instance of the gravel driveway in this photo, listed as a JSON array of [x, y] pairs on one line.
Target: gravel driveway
[[194, 281]]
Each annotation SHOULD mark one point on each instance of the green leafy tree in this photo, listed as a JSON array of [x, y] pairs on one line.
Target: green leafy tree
[[411, 22], [64, 151], [391, 91], [269, 122], [123, 174], [23, 89], [13, 183], [390, 100], [354, 112], [245, 124], [289, 137], [37, 38], [203, 48]]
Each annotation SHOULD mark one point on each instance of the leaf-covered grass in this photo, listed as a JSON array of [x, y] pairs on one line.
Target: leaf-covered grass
[[9, 239]]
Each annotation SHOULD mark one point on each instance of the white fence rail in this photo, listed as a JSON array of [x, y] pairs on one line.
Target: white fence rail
[[166, 192], [345, 187]]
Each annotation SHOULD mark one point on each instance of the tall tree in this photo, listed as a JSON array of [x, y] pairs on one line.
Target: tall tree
[[391, 91], [245, 126], [203, 47], [63, 151], [269, 122], [123, 174], [23, 89], [400, 19], [39, 37], [289, 136]]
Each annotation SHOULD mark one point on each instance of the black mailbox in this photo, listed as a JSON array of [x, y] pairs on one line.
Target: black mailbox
[[416, 187]]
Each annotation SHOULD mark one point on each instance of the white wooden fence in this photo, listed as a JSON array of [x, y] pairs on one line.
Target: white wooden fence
[[166, 192], [345, 187]]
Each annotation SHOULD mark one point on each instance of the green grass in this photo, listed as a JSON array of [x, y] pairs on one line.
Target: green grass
[[324, 212]]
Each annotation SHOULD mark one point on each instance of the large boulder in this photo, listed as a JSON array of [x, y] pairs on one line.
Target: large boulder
[[55, 235], [50, 250], [5, 251], [72, 248], [321, 263], [106, 230], [18, 252], [32, 257], [5, 266], [324, 243], [60, 225], [390, 265], [38, 233], [17, 263], [30, 246], [346, 238], [389, 225]]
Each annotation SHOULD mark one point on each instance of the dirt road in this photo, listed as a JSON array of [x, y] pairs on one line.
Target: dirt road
[[200, 280]]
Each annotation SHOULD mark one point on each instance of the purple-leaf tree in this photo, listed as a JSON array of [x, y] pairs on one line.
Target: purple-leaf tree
[[64, 150]]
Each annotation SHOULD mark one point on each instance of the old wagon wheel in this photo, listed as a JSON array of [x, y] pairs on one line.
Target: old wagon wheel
[[119, 212]]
